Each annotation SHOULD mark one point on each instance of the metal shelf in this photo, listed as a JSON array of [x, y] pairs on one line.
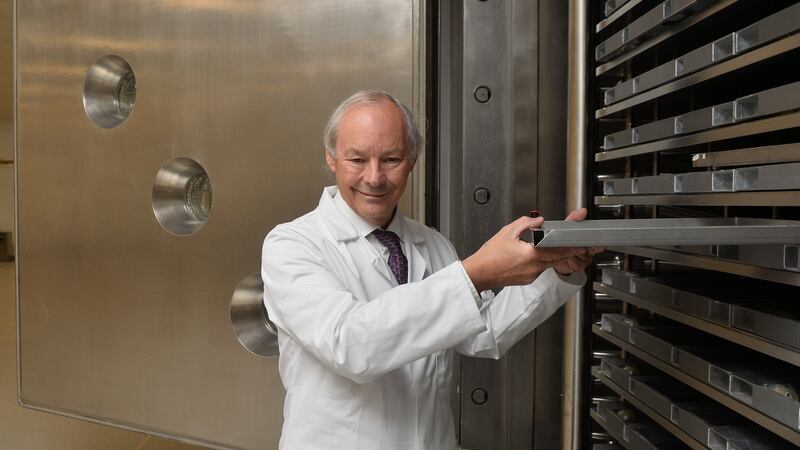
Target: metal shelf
[[774, 177], [730, 65], [766, 198], [756, 416], [680, 26], [641, 406], [749, 156], [602, 422], [637, 435], [686, 231], [647, 25], [775, 123], [739, 337], [719, 265], [619, 12], [766, 103]]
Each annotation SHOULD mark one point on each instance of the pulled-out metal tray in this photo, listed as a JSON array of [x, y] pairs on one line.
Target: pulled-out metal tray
[[659, 232]]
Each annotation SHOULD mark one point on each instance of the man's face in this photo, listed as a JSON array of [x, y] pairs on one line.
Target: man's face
[[371, 164]]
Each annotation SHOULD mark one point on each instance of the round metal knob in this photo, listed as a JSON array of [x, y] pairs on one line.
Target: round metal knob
[[481, 196], [482, 94], [479, 396]]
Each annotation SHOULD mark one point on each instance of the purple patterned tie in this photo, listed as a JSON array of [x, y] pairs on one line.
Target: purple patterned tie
[[397, 260]]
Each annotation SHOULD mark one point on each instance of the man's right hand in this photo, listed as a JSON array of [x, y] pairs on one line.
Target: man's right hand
[[505, 260]]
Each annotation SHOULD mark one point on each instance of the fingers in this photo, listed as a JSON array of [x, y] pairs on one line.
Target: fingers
[[551, 254], [519, 226], [578, 214]]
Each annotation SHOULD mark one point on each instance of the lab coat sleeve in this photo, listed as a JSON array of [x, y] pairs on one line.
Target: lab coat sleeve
[[517, 310], [362, 340]]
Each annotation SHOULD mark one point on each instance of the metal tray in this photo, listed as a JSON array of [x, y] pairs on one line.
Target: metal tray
[[772, 101], [771, 389], [705, 56], [693, 61], [646, 25], [703, 119], [751, 438], [766, 178], [760, 33], [653, 131], [647, 436], [778, 100], [757, 310], [654, 184], [660, 232], [620, 186], [768, 29], [622, 138], [705, 421], [779, 326], [611, 6], [781, 257], [698, 182], [633, 430]]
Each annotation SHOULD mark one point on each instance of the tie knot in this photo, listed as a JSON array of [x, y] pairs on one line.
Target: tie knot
[[390, 239]]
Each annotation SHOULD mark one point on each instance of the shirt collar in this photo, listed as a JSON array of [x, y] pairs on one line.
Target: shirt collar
[[363, 227]]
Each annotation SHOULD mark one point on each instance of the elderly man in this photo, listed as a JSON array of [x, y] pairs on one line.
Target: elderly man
[[370, 304]]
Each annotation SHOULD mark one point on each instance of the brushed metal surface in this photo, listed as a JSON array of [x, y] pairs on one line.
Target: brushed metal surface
[[120, 321], [736, 62], [684, 24], [573, 420], [745, 156], [655, 232], [510, 147]]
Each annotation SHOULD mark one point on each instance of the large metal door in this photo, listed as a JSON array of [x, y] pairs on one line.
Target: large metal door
[[126, 113]]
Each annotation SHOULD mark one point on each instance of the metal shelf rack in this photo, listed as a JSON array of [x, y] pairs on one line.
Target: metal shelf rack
[[697, 118]]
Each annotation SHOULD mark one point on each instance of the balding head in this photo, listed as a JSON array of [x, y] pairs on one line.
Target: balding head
[[413, 140]]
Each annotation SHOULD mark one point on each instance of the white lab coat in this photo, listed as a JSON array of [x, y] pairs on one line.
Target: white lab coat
[[367, 364]]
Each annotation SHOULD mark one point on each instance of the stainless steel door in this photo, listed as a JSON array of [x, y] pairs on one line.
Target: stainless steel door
[[124, 316]]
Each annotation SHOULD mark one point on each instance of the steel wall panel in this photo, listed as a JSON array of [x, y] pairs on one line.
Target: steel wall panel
[[121, 321]]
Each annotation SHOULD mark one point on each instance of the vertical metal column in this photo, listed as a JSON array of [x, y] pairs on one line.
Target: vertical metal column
[[502, 138], [485, 205], [576, 197]]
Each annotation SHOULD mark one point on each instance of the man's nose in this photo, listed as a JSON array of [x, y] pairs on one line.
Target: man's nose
[[373, 173]]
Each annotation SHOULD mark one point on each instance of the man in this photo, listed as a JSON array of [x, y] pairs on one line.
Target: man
[[370, 305]]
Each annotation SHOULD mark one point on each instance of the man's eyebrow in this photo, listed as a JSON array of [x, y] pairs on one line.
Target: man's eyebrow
[[350, 152]]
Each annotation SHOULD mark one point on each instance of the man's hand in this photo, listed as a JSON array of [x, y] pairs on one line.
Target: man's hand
[[577, 263], [505, 260]]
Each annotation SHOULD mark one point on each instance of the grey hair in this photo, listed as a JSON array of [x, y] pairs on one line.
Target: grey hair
[[372, 97]]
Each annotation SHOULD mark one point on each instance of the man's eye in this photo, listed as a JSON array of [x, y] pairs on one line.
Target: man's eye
[[357, 160]]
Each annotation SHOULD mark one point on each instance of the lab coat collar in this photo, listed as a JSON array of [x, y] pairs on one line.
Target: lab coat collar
[[347, 225]]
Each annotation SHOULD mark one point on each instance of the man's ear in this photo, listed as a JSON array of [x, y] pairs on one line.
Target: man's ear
[[331, 161], [412, 163]]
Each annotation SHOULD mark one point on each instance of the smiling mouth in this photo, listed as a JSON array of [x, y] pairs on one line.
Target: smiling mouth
[[367, 194]]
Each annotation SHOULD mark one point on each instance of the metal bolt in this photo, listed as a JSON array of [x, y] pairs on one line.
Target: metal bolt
[[482, 94], [479, 396], [481, 196]]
